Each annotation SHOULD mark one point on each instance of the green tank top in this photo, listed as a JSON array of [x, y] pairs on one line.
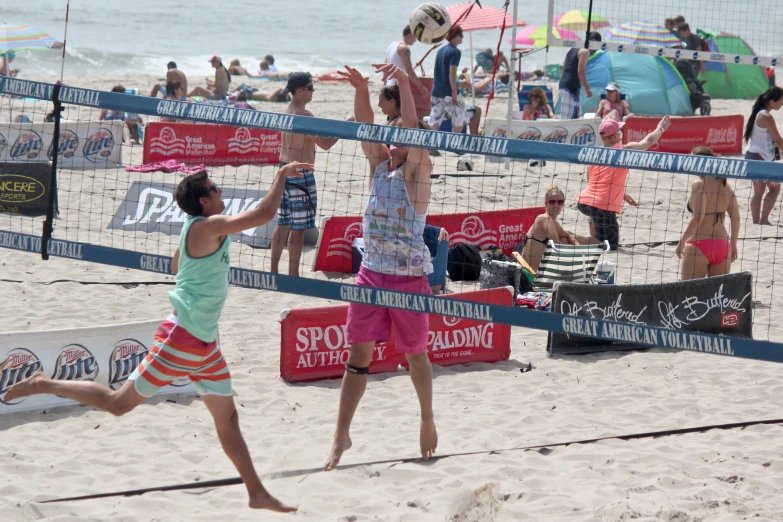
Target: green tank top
[[202, 287]]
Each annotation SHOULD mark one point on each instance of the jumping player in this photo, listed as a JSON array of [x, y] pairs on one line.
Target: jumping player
[[185, 344], [300, 199], [396, 258]]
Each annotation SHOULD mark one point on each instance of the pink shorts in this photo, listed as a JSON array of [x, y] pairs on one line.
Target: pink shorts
[[368, 323]]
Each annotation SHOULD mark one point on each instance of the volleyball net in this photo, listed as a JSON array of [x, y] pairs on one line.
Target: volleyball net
[[111, 210], [732, 32]]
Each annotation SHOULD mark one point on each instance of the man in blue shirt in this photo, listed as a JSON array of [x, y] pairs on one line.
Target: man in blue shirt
[[446, 101]]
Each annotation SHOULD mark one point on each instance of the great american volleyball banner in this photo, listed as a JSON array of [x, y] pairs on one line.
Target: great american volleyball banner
[[458, 143]]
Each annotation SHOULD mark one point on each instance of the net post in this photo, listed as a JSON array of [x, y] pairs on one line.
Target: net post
[[589, 20], [48, 224]]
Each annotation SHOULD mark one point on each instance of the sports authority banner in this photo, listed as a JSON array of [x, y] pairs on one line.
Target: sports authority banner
[[82, 144], [211, 144], [24, 188], [574, 132], [104, 354], [501, 228], [458, 143], [721, 305], [313, 343], [723, 134]]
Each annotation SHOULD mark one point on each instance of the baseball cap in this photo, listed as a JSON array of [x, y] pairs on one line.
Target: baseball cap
[[216, 58], [612, 87], [609, 127], [297, 80]]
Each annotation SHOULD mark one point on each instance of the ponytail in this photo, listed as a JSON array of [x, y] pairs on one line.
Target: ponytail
[[771, 94]]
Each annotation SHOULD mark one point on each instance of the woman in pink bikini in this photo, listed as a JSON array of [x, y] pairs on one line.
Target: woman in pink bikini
[[613, 106], [705, 248]]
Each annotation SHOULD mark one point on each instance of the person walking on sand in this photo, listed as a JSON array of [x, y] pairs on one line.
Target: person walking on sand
[[705, 248], [447, 103], [399, 54], [300, 199], [396, 258], [764, 144], [186, 343]]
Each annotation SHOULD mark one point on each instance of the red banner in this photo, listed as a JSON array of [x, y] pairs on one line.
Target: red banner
[[723, 134], [195, 143], [313, 344], [500, 228]]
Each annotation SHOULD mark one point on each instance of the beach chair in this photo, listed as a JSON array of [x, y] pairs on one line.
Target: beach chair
[[522, 95], [437, 278], [569, 263]]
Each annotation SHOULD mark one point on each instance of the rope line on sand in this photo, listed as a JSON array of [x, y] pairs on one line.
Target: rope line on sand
[[309, 471]]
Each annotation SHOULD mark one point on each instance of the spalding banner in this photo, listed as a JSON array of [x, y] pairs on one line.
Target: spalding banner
[[720, 305], [104, 354], [573, 132], [501, 228], [209, 144], [24, 188], [723, 134], [313, 342]]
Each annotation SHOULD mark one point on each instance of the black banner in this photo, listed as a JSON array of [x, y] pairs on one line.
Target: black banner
[[721, 305], [24, 188]]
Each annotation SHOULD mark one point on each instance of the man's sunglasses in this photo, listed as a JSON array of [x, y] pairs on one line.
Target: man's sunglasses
[[214, 188], [556, 201], [309, 88]]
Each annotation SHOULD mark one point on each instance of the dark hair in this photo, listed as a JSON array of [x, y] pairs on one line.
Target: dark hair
[[706, 151], [242, 96], [454, 32], [118, 88], [771, 94], [392, 92], [679, 19], [172, 65], [669, 21], [685, 27], [406, 30], [540, 73], [504, 77], [190, 190], [595, 36], [269, 59]]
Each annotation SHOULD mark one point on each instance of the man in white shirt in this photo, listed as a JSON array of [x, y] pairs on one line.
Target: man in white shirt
[[399, 54]]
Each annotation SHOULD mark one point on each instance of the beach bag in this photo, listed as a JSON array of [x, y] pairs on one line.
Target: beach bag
[[496, 274], [464, 263]]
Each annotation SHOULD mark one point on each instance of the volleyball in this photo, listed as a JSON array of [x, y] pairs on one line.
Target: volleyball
[[430, 23]]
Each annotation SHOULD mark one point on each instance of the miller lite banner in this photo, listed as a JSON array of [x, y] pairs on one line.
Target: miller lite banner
[[723, 134], [313, 343], [572, 132], [104, 354], [82, 145], [24, 188], [195, 143], [500, 228]]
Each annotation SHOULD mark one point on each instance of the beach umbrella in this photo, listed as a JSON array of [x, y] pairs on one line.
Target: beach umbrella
[[535, 36], [17, 37], [642, 33], [576, 20]]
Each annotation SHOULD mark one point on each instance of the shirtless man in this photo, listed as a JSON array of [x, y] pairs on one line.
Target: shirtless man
[[173, 75], [186, 344], [399, 54], [396, 258], [218, 89], [297, 209]]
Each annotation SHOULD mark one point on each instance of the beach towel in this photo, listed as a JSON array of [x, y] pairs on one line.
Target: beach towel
[[165, 166]]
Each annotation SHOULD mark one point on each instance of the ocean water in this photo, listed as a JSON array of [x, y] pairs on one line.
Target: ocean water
[[108, 37]]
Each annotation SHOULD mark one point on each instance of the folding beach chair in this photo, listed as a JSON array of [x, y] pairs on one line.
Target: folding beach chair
[[570, 263]]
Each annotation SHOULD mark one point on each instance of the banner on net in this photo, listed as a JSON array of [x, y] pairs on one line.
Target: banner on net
[[211, 144], [82, 145], [313, 343], [104, 354], [24, 188], [720, 305], [459, 143], [723, 134], [573, 132]]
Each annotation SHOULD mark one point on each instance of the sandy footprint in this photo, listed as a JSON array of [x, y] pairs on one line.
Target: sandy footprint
[[480, 505]]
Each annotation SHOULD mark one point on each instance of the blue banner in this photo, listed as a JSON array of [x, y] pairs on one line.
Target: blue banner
[[458, 143]]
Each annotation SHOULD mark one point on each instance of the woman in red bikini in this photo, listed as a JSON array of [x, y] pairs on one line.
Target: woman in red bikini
[[705, 248]]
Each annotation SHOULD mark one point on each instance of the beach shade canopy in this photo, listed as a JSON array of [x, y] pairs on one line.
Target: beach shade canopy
[[485, 17], [652, 83], [642, 33], [734, 81], [535, 36], [576, 20], [16, 37]]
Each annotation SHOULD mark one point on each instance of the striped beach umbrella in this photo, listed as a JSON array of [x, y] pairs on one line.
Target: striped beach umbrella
[[17, 37], [642, 33], [535, 36], [576, 20]]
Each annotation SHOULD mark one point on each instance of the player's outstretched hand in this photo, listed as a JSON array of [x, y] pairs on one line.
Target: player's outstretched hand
[[292, 170], [354, 77], [391, 71]]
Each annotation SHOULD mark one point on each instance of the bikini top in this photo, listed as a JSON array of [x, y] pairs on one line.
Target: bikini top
[[718, 215]]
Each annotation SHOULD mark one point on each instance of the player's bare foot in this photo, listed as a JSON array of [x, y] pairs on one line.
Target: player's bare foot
[[766, 222], [428, 438], [266, 501], [340, 445], [24, 388]]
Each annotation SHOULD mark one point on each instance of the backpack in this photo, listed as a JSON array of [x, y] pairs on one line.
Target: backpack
[[464, 263]]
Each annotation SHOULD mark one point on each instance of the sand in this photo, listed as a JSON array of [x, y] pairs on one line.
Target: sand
[[717, 475]]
